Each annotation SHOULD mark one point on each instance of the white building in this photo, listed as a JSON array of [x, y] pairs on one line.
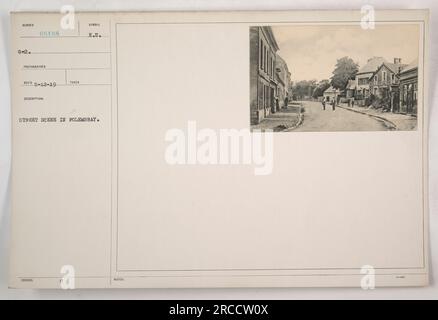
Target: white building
[[331, 94]]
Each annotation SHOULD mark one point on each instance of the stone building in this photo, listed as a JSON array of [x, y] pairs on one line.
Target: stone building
[[409, 88], [263, 78], [283, 81]]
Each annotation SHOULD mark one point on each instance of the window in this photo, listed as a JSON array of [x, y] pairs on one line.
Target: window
[[375, 79], [262, 50], [264, 57], [261, 53], [272, 67], [392, 78], [384, 76], [269, 64], [262, 96]]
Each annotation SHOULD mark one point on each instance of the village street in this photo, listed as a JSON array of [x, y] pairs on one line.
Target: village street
[[317, 119], [374, 94]]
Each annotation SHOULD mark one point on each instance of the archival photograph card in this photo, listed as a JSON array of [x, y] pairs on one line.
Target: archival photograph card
[[219, 149]]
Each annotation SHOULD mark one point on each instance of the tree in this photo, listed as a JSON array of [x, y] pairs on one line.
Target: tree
[[320, 88], [345, 70], [303, 88]]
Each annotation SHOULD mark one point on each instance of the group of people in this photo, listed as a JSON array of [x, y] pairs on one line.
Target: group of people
[[277, 104], [333, 103]]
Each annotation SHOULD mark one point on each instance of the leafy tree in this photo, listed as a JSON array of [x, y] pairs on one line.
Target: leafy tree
[[320, 88], [303, 88], [345, 70]]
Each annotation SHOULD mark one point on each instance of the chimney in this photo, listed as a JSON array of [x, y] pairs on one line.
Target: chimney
[[397, 60]]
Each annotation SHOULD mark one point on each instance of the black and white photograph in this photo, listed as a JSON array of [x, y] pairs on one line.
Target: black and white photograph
[[334, 77]]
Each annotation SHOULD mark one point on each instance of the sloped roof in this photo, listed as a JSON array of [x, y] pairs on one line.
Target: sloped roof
[[372, 65], [279, 61], [391, 66], [412, 65], [331, 90], [271, 37], [394, 67]]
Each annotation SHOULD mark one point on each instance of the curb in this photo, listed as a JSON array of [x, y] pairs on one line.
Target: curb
[[299, 122], [389, 124]]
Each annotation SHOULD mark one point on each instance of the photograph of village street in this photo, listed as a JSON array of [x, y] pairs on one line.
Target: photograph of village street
[[334, 77]]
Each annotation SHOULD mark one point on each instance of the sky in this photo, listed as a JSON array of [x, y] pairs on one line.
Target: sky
[[311, 51]]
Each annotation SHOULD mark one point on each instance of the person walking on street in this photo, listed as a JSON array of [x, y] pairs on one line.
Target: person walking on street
[[323, 104], [286, 101], [334, 104]]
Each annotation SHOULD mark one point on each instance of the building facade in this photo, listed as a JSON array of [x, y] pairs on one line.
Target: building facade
[[331, 94], [391, 86], [384, 84], [364, 75], [409, 88], [350, 89], [283, 81], [263, 78]]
